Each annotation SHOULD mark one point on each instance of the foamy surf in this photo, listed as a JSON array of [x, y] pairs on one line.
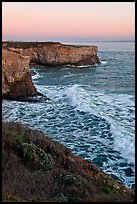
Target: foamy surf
[[96, 104], [78, 66], [124, 143], [76, 116], [35, 74], [103, 62]]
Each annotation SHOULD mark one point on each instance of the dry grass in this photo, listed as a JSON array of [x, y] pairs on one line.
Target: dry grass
[[36, 168]]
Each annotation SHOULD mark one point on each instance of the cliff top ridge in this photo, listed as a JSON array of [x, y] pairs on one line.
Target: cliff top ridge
[[21, 44]]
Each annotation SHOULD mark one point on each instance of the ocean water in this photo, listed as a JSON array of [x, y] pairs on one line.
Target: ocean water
[[91, 111]]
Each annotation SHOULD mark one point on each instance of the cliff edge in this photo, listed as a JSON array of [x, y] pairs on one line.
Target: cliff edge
[[55, 53], [37, 168], [17, 56]]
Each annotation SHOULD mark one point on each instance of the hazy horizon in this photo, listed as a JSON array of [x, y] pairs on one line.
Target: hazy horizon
[[70, 40], [68, 21]]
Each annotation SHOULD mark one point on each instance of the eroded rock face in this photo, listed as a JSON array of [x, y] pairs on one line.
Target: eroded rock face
[[16, 56], [56, 54], [16, 76]]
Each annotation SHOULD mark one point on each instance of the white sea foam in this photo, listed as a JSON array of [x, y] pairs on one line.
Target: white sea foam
[[68, 75], [124, 143], [77, 96], [103, 62], [35, 76], [114, 109], [55, 93], [84, 66], [78, 66]]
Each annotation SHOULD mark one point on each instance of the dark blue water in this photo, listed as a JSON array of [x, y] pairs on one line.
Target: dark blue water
[[91, 111]]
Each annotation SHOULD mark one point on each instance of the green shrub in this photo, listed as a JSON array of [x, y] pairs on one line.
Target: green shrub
[[66, 178], [36, 155], [61, 198]]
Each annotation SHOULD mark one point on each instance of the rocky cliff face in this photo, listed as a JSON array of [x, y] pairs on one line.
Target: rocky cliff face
[[55, 54], [16, 76], [16, 57]]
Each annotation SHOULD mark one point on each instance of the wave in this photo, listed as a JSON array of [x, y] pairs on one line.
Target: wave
[[123, 143], [107, 107], [35, 74], [113, 108], [84, 66], [68, 75], [78, 66]]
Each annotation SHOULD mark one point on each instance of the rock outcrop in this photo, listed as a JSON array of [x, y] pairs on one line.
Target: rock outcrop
[[16, 76], [55, 53], [16, 57]]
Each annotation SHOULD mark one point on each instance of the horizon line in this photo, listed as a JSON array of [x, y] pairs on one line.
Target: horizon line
[[69, 41]]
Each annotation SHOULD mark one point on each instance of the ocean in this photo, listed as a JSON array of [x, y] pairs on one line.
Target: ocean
[[91, 111]]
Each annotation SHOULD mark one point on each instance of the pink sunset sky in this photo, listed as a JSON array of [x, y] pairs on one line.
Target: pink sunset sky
[[43, 21]]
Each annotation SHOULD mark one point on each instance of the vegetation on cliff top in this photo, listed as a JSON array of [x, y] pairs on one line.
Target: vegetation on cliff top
[[25, 45], [20, 44], [37, 168]]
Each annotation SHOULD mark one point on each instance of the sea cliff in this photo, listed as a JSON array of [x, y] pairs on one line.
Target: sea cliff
[[55, 53], [17, 56], [16, 76]]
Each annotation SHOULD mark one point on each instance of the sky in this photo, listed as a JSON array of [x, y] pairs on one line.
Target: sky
[[68, 21]]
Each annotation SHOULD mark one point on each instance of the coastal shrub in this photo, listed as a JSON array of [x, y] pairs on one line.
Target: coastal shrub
[[61, 198], [66, 178], [36, 154], [110, 189], [13, 137], [21, 137], [12, 198]]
